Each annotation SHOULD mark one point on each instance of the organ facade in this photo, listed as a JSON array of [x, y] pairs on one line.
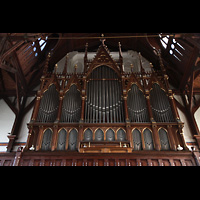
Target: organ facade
[[105, 109]]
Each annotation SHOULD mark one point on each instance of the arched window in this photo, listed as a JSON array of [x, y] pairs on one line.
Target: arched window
[[42, 43], [99, 136], [175, 49], [62, 135], [72, 140], [110, 135], [49, 105], [121, 135], [88, 135], [46, 142], [137, 141], [164, 139], [148, 140]]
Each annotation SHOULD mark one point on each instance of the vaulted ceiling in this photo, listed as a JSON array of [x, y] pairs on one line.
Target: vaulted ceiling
[[23, 55]]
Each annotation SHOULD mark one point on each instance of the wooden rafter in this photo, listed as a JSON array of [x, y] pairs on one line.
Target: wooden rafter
[[188, 68]]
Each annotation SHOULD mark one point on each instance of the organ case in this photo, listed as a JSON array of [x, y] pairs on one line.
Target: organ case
[[105, 110]]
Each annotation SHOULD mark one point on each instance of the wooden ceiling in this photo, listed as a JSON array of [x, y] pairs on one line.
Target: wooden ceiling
[[22, 58]]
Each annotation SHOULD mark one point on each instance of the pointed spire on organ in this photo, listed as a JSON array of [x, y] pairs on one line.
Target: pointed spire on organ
[[65, 67], [45, 70], [85, 57], [120, 58], [141, 67]]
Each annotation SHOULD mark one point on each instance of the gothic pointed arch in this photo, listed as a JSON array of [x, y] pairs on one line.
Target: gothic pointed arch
[[73, 136], [99, 135], [121, 135], [161, 107], [46, 141], [61, 143], [88, 135], [49, 104], [164, 141], [110, 135], [103, 57], [137, 140], [148, 139], [137, 108], [104, 101], [71, 106]]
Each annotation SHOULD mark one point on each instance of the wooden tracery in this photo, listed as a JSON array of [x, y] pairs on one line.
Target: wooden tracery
[[104, 110]]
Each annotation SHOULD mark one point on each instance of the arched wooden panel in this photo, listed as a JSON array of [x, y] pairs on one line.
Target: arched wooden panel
[[121, 135], [164, 139], [71, 108], [148, 140], [88, 135], [72, 140], [110, 135], [137, 108], [46, 141], [137, 141], [62, 135], [99, 136], [49, 105], [160, 105]]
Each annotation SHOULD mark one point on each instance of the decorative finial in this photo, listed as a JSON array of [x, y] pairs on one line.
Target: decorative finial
[[75, 68], [56, 67], [103, 39], [65, 67], [45, 70], [142, 69], [120, 50], [131, 66], [151, 65]]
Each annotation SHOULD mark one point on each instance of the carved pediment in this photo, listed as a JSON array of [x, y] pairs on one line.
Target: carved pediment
[[103, 57]]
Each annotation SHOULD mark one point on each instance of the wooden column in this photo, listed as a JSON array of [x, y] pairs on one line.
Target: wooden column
[[60, 106], [173, 106], [83, 96], [54, 137], [171, 138], [36, 107], [29, 139], [154, 124], [156, 136], [125, 98], [127, 120], [39, 138]]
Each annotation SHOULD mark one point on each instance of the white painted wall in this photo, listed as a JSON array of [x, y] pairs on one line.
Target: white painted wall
[[77, 58], [197, 117], [7, 118]]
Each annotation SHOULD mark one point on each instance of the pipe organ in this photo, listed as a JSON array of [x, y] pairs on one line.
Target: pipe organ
[[105, 109]]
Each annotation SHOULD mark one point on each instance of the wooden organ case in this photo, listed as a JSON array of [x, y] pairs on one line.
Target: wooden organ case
[[105, 110]]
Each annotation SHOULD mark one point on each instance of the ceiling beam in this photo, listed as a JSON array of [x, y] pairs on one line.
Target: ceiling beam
[[188, 68], [8, 68]]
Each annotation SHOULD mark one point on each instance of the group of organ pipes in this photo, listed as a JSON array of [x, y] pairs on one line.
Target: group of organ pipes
[[105, 109]]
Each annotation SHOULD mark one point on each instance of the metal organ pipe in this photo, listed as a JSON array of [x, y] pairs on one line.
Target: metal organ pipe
[[104, 97]]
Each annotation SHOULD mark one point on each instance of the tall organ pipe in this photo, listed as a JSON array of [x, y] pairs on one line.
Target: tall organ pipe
[[104, 97]]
